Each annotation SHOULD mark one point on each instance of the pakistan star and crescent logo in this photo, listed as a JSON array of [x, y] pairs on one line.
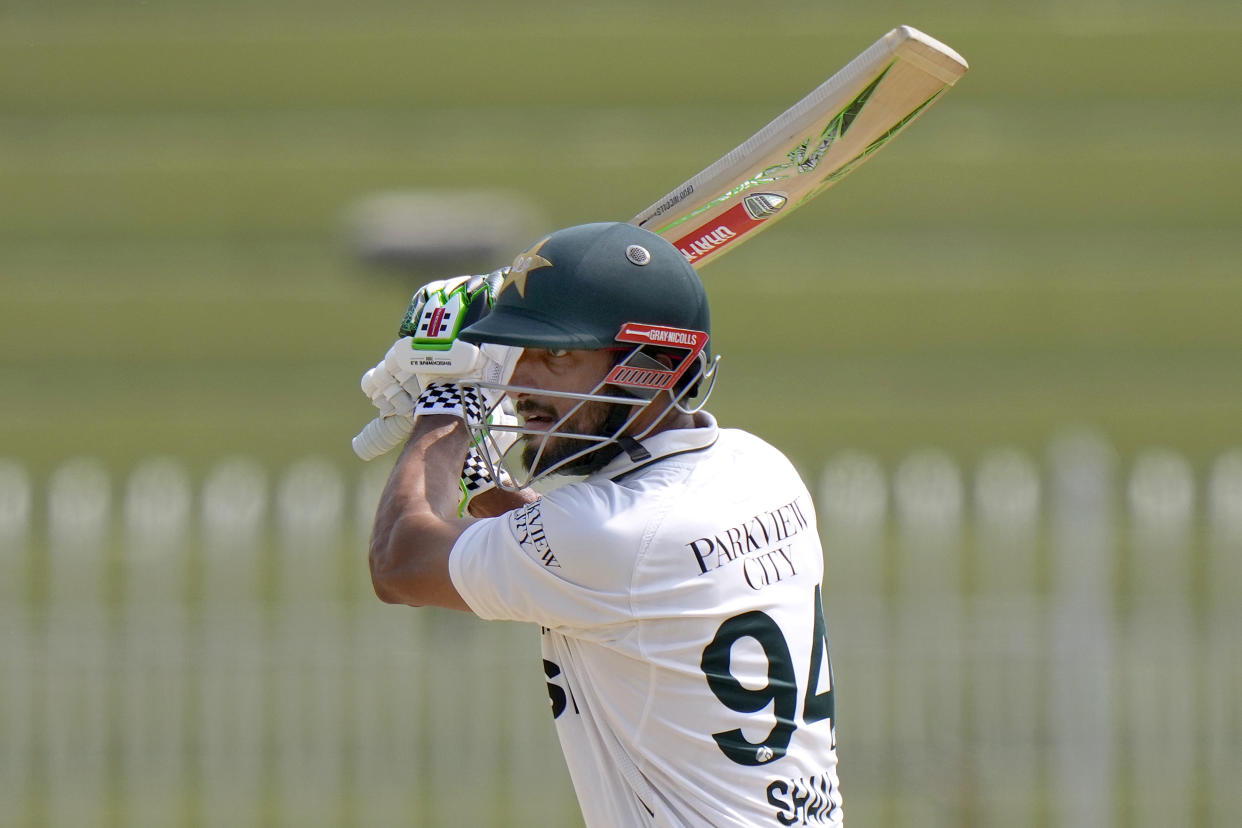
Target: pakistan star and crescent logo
[[521, 268]]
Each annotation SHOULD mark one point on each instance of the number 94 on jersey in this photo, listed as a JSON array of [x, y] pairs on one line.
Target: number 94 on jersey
[[789, 686]]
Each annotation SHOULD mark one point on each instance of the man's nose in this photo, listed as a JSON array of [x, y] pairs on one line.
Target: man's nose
[[521, 371]]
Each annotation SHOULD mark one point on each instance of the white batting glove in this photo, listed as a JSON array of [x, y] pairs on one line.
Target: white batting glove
[[428, 344], [428, 352], [391, 388]]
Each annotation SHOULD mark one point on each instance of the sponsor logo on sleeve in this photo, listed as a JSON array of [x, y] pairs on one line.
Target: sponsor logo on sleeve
[[527, 526]]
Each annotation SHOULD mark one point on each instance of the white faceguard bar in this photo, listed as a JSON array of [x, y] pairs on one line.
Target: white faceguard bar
[[503, 446]]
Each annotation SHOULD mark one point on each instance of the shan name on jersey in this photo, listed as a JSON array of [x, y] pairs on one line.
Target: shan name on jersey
[[806, 801], [760, 544]]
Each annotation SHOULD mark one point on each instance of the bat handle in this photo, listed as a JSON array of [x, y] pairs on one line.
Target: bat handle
[[382, 435]]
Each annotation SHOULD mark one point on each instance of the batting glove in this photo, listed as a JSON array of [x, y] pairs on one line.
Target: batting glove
[[428, 351]]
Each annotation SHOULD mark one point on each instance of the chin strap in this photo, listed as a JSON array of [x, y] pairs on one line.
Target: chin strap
[[633, 448]]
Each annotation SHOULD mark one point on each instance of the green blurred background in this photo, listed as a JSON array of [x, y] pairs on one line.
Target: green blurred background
[[1054, 243]]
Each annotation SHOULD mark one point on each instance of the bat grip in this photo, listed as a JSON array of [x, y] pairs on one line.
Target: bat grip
[[381, 436]]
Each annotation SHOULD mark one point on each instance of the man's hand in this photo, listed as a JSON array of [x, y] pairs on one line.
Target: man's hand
[[427, 345], [427, 350], [430, 371]]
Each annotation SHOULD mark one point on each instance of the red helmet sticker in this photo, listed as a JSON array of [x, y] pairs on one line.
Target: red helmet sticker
[[645, 376]]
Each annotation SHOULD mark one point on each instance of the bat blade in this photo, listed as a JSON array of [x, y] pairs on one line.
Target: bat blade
[[808, 148]]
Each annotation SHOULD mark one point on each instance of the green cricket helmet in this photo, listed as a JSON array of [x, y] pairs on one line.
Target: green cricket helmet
[[592, 287], [577, 287]]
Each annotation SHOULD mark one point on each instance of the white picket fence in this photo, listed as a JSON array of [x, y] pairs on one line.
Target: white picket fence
[[1020, 643]]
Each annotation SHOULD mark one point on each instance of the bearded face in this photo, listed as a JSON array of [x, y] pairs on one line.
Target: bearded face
[[541, 452]]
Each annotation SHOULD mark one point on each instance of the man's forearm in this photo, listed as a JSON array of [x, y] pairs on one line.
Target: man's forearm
[[416, 523]]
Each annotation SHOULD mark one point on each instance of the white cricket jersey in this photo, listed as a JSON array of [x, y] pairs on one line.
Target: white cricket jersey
[[683, 634]]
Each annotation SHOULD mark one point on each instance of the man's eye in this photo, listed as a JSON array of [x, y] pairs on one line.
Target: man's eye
[[557, 352]]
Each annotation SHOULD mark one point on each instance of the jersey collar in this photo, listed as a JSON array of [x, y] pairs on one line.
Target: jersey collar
[[661, 445]]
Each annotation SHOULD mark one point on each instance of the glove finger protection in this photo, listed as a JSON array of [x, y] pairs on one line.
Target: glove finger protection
[[428, 352]]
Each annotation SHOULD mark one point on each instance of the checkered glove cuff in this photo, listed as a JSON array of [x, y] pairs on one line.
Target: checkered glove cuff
[[477, 478], [484, 469], [450, 398], [476, 474]]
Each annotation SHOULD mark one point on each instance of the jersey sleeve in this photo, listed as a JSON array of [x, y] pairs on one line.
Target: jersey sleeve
[[565, 562]]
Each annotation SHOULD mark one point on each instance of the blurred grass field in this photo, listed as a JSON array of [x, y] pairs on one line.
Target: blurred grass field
[[1055, 243]]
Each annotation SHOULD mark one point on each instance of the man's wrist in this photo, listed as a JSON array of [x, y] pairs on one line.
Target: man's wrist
[[452, 399], [497, 501]]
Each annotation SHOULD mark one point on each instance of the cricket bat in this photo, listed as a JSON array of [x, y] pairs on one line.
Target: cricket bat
[[802, 152], [808, 148]]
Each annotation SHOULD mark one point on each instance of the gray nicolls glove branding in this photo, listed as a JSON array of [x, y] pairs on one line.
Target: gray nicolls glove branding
[[428, 352]]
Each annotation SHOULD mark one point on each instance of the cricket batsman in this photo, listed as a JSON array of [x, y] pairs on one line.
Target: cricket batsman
[[675, 572]]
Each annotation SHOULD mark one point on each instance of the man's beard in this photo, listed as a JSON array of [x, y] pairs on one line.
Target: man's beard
[[596, 419]]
